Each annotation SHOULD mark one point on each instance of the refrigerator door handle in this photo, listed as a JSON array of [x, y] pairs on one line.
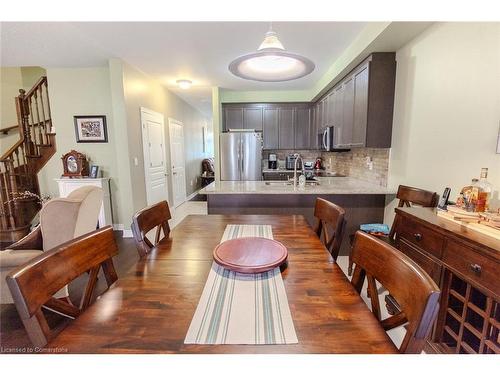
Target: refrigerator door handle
[[242, 160]]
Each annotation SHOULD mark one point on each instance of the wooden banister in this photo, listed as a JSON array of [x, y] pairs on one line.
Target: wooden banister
[[20, 164], [7, 130]]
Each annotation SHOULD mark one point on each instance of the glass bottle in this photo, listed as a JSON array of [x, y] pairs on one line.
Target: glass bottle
[[484, 189], [467, 197]]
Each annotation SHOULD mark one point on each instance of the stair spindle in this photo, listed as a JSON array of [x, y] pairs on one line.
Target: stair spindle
[[44, 121], [39, 123]]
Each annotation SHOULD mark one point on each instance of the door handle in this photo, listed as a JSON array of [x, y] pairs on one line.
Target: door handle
[[324, 139], [242, 159], [418, 237]]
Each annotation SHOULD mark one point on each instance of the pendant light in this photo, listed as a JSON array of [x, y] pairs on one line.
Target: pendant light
[[271, 62]]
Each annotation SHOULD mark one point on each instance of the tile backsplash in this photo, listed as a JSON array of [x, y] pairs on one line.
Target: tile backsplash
[[356, 163], [307, 155]]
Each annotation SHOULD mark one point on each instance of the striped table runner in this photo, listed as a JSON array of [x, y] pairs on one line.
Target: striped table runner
[[237, 308]]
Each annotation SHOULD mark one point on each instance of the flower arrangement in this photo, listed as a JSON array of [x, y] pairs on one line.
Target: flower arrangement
[[19, 196]]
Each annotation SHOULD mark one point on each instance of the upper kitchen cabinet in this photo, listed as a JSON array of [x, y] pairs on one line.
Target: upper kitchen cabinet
[[360, 106], [233, 118], [247, 116], [271, 129], [286, 128], [303, 128]]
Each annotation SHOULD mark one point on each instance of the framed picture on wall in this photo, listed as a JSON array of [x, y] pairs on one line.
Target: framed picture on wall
[[91, 129]]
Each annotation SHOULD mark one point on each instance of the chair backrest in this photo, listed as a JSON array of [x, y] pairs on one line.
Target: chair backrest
[[155, 216], [62, 219], [330, 225], [34, 284], [408, 195], [413, 289]]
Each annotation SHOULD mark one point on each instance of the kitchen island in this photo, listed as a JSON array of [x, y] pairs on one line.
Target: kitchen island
[[364, 202]]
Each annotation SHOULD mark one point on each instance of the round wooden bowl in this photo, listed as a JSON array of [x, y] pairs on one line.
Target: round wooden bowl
[[250, 254]]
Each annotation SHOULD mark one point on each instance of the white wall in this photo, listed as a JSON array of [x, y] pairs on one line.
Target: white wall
[[447, 108]]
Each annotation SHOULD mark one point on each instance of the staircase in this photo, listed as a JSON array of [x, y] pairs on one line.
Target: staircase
[[20, 164]]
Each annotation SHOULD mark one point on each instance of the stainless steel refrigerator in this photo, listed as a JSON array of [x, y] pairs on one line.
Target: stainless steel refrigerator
[[241, 156]]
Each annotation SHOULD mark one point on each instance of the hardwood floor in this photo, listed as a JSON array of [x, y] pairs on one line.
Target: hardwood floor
[[12, 333]]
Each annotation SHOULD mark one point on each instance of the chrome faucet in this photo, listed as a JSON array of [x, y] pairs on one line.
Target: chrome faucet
[[295, 179]]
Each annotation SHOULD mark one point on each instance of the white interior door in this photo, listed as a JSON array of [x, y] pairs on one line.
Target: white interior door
[[177, 160], [155, 164]]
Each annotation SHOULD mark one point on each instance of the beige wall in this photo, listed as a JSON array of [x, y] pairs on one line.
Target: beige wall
[[11, 81], [447, 108], [84, 91], [143, 91]]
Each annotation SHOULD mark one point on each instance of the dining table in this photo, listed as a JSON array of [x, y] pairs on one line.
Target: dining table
[[149, 309]]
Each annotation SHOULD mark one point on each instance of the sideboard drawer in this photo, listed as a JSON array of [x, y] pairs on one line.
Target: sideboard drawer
[[430, 266], [474, 266], [421, 237]]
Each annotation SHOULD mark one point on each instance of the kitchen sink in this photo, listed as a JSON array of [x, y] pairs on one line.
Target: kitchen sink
[[290, 183]]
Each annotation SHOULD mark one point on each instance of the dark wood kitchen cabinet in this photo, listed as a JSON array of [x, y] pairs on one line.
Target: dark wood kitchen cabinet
[[253, 118], [360, 106], [233, 118], [303, 128], [271, 129], [243, 116], [465, 265], [286, 128]]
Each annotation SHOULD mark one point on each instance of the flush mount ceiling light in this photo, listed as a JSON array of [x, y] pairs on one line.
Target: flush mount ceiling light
[[271, 63], [184, 83]]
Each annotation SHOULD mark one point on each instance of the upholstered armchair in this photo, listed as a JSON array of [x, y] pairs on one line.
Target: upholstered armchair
[[61, 220]]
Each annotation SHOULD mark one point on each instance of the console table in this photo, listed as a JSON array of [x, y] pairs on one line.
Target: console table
[[465, 265], [67, 185]]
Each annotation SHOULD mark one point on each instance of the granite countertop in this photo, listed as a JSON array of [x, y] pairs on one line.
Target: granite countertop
[[327, 185]]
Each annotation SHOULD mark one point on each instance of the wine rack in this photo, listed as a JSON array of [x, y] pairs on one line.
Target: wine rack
[[471, 318]]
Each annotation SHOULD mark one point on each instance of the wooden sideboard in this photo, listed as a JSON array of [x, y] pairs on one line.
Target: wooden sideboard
[[465, 265]]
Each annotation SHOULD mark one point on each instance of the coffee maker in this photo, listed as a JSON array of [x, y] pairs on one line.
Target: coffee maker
[[272, 163]]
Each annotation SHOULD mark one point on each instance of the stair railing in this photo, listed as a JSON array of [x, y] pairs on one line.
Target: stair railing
[[19, 165]]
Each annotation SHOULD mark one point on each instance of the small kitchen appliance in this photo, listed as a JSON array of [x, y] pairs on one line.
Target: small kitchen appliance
[[318, 164], [272, 162], [290, 162]]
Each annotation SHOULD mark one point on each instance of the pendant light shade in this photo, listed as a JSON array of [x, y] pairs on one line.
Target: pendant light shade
[[271, 63]]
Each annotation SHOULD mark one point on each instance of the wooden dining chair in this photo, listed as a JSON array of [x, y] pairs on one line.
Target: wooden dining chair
[[155, 216], [34, 284], [330, 225], [408, 196], [413, 288]]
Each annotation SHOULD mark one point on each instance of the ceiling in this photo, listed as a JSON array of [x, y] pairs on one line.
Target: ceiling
[[199, 51]]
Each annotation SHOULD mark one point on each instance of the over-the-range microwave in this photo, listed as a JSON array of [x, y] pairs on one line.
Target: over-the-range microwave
[[328, 140]]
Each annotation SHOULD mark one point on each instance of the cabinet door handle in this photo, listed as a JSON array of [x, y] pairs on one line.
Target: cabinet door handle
[[418, 236], [476, 268]]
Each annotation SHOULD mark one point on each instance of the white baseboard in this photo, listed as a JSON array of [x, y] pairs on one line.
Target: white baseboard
[[127, 233]]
